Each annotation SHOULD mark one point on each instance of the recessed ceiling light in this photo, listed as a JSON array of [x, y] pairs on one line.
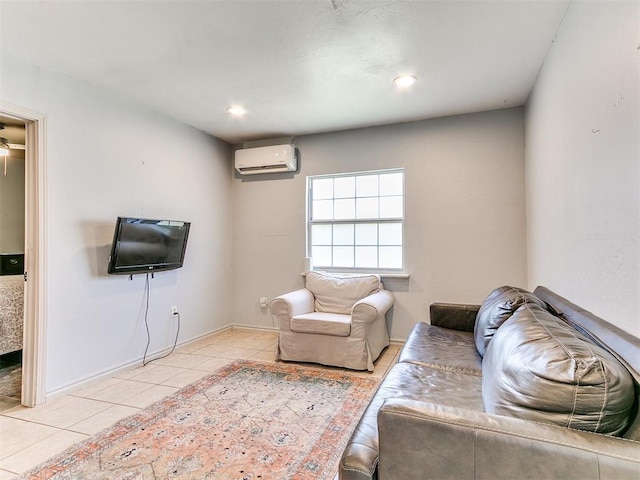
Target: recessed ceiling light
[[236, 110], [404, 81]]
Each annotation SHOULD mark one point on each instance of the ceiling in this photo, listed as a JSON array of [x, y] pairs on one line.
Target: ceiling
[[299, 67]]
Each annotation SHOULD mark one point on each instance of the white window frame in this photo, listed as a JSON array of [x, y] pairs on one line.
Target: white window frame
[[310, 222]]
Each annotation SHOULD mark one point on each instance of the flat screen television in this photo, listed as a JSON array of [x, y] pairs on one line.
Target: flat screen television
[[141, 245]]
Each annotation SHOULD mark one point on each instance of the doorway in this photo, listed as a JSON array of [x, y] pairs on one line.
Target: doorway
[[32, 357], [12, 246]]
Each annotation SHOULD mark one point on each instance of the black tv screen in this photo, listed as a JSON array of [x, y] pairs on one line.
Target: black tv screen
[[142, 245]]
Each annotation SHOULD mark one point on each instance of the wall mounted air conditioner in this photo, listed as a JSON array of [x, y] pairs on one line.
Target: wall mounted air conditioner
[[271, 159]]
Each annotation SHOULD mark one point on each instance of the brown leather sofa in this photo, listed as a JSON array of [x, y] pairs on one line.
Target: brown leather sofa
[[525, 410]]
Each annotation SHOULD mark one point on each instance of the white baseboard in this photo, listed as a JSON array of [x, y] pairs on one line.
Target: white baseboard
[[136, 362], [125, 366], [240, 326]]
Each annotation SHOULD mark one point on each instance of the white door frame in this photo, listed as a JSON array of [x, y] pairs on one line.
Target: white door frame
[[35, 258]]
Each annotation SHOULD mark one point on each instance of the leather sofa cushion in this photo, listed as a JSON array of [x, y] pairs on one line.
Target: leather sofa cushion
[[337, 294], [539, 368], [442, 348], [496, 309], [322, 323], [411, 382]]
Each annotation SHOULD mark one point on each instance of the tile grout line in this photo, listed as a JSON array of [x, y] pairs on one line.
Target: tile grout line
[[236, 336]]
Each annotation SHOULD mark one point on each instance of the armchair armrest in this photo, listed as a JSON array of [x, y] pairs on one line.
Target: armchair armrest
[[291, 304], [454, 316], [294, 303], [421, 440], [371, 307]]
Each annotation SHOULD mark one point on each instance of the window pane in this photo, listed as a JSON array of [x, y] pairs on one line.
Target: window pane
[[345, 209], [390, 257], [390, 234], [367, 234], [366, 257], [322, 210], [356, 220], [322, 188], [367, 185], [391, 207], [367, 207], [321, 234], [342, 256], [343, 234], [321, 256], [345, 187], [391, 184]]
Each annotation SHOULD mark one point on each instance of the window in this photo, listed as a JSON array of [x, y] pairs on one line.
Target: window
[[355, 220]]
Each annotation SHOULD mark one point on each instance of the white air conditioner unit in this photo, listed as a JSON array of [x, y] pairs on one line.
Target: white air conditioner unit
[[271, 159]]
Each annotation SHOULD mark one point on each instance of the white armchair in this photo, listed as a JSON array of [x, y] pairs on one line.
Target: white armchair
[[335, 320]]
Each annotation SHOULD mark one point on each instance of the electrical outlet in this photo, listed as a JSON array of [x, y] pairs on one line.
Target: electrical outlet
[[174, 310]]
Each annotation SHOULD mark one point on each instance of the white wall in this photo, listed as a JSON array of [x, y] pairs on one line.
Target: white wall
[[107, 157], [465, 212], [583, 163]]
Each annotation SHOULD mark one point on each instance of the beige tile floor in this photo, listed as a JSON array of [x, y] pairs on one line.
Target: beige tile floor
[[29, 436]]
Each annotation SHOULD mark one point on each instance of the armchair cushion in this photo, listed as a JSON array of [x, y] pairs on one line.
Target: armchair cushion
[[337, 294], [322, 323]]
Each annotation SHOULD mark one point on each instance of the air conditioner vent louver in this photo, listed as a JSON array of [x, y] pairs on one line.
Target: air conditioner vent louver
[[264, 167], [271, 159]]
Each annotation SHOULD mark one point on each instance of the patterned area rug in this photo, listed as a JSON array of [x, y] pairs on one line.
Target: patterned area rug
[[248, 421]]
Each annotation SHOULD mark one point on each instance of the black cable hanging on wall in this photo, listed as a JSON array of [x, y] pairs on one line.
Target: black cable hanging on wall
[[146, 324]]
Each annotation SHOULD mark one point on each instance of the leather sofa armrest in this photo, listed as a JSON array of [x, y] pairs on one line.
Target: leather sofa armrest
[[454, 316], [422, 440], [291, 304]]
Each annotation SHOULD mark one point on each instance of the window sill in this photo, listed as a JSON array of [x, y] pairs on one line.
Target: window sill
[[394, 276], [383, 276]]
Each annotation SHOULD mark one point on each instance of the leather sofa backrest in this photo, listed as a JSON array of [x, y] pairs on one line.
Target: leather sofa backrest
[[620, 344], [496, 309], [537, 367]]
